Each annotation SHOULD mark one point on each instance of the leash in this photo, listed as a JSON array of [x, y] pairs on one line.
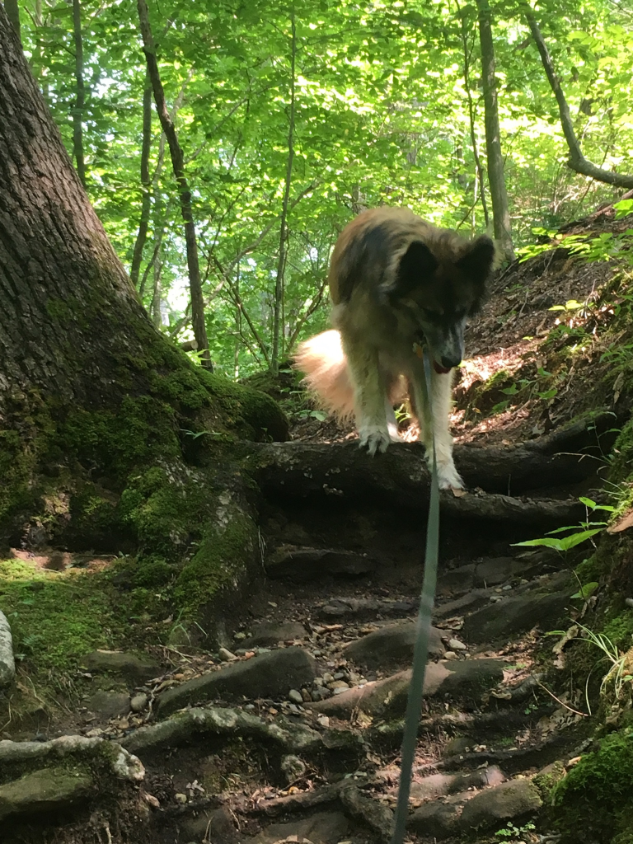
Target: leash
[[421, 648]]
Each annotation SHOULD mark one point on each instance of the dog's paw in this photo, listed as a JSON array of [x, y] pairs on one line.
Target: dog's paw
[[374, 439], [447, 475]]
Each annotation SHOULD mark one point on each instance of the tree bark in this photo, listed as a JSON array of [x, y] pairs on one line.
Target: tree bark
[[576, 161], [283, 228], [13, 13], [146, 184], [177, 159], [78, 111], [498, 193]]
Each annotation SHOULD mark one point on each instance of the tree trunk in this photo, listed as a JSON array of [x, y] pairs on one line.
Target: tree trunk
[[101, 417], [177, 160], [283, 228], [13, 13], [577, 161], [78, 111], [146, 184], [498, 194]]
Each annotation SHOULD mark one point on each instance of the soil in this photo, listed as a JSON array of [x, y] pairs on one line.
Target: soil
[[498, 711]]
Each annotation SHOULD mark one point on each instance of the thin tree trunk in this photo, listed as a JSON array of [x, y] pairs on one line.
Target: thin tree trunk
[[13, 13], [78, 111], [283, 229], [155, 310], [479, 170], [177, 160], [146, 184], [576, 161], [498, 194]]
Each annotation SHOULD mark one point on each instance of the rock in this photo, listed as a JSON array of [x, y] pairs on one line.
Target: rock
[[139, 702], [51, 789], [215, 826], [456, 645], [293, 767], [109, 704], [467, 679], [319, 828], [514, 615], [364, 608], [134, 669], [303, 564], [226, 655], [391, 646], [508, 801], [270, 675], [470, 602], [437, 820], [295, 696], [271, 633], [7, 661]]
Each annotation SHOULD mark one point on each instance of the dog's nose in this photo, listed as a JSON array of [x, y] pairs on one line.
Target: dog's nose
[[450, 362]]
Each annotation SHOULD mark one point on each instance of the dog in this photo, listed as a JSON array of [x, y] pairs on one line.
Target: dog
[[397, 283]]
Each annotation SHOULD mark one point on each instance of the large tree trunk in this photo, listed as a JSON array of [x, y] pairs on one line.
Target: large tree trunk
[[101, 417], [496, 177]]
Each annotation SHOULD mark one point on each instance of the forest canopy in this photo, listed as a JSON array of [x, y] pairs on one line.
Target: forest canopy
[[293, 117]]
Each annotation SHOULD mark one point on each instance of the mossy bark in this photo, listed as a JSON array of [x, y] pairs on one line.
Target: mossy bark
[[110, 438]]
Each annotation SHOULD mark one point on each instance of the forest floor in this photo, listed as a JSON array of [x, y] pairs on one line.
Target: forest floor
[[290, 732]]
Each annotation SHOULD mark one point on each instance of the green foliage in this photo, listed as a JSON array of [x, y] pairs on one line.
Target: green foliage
[[576, 537], [382, 116], [511, 832]]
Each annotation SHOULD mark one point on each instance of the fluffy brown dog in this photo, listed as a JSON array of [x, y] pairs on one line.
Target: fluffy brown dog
[[395, 281]]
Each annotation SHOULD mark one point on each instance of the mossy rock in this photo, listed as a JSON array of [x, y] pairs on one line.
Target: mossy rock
[[594, 801]]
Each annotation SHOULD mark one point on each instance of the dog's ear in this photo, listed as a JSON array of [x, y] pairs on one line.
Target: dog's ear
[[416, 267], [478, 261]]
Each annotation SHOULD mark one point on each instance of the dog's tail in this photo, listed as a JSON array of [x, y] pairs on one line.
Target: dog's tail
[[326, 373]]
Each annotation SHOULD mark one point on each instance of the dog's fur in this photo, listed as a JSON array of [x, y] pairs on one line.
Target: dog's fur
[[396, 280]]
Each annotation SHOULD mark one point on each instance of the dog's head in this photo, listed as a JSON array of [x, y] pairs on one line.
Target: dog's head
[[437, 288]]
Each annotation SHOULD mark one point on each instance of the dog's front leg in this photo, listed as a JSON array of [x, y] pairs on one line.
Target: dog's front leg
[[437, 414], [369, 397]]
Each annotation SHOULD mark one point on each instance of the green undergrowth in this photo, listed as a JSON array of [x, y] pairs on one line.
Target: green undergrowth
[[594, 802]]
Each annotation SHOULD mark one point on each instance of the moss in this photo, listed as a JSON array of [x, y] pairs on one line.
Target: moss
[[153, 571], [547, 780], [594, 801], [223, 558], [57, 617]]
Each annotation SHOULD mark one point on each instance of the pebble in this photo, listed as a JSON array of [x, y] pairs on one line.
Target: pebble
[[180, 798], [305, 694], [628, 602], [249, 707], [225, 655], [327, 678], [323, 721], [295, 696], [339, 687], [340, 675], [450, 655], [138, 702], [239, 635], [456, 645]]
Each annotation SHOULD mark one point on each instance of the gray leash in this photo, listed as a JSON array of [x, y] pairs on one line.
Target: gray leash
[[421, 649]]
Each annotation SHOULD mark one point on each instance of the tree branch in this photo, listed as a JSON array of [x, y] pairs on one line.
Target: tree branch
[[78, 110], [577, 161]]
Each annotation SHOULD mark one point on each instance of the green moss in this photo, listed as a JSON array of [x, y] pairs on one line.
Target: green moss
[[57, 617], [595, 800], [223, 557]]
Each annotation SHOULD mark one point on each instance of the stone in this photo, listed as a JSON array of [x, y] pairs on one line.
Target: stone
[[514, 615], [319, 828], [270, 675], [465, 679], [456, 645], [226, 655], [134, 669], [49, 789], [391, 646], [377, 817], [510, 801], [469, 602], [304, 564], [295, 696], [209, 825], [139, 702], [271, 633], [109, 704], [7, 661], [437, 820], [293, 767]]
